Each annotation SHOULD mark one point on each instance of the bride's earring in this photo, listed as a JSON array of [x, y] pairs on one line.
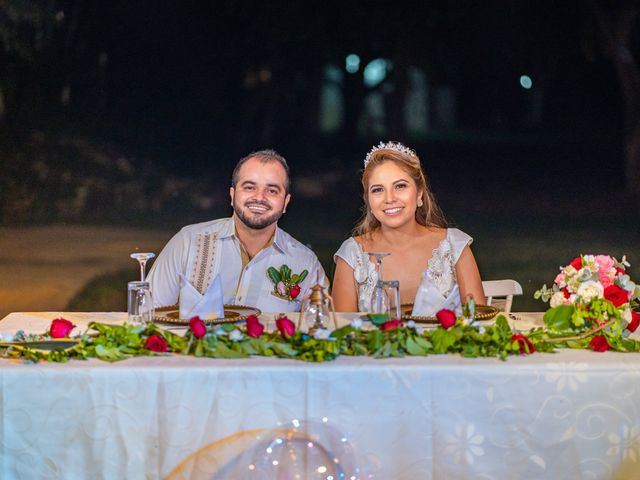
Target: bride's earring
[[420, 203]]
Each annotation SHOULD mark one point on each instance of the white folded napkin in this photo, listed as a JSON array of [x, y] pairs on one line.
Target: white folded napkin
[[429, 300], [208, 306]]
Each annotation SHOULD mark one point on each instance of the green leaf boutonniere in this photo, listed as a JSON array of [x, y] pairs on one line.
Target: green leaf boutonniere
[[285, 284]]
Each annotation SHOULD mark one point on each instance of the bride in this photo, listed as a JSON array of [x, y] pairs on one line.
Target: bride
[[401, 217]]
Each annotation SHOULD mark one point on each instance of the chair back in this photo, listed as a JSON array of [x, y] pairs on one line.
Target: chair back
[[501, 289]]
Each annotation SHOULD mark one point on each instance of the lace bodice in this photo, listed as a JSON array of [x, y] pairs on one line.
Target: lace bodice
[[440, 268]]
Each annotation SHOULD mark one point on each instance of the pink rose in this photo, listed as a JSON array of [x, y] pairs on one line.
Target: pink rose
[[391, 324], [254, 327], [447, 318], [605, 263], [286, 327], [525, 345], [198, 327], [156, 343], [295, 291], [605, 280], [559, 279], [635, 320], [599, 344], [60, 328], [616, 295], [281, 288]]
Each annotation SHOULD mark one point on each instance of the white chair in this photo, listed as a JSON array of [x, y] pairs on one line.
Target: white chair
[[501, 288]]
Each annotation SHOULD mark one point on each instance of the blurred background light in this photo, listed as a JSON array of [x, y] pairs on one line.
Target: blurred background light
[[526, 82], [352, 63], [375, 72]]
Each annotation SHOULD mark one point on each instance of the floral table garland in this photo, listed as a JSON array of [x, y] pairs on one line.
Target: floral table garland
[[592, 307]]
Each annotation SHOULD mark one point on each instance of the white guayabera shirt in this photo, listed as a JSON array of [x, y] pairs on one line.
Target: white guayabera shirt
[[203, 250]]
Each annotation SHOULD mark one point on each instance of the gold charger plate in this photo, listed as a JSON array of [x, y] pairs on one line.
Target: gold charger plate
[[483, 312], [44, 345], [232, 314]]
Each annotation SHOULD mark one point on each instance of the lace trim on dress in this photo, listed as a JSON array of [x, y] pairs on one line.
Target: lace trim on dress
[[441, 267]]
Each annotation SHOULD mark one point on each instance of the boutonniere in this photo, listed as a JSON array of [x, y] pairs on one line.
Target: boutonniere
[[285, 284]]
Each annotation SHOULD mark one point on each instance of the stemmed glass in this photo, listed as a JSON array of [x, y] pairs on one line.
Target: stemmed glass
[[386, 294], [140, 302], [142, 260]]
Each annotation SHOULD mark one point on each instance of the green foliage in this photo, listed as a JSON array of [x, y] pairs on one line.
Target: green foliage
[[112, 343]]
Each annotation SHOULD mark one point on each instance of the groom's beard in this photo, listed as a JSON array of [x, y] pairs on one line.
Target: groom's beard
[[256, 221]]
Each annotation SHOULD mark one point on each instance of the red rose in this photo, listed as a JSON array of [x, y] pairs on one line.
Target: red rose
[[565, 292], [635, 320], [576, 263], [287, 327], [616, 295], [619, 271], [295, 291], [447, 318], [524, 343], [391, 324], [198, 327], [254, 327], [599, 344], [60, 328], [156, 343]]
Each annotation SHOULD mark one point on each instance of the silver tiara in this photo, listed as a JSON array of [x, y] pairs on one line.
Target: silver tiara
[[397, 146]]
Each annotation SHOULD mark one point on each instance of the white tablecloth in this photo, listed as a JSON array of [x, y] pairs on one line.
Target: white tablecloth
[[574, 414]]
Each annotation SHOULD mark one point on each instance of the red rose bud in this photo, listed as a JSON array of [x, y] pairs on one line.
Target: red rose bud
[[198, 327], [295, 291], [524, 344], [60, 328], [565, 292], [285, 326], [391, 324], [635, 320], [447, 318], [576, 263], [156, 343], [599, 344], [616, 295], [254, 327]]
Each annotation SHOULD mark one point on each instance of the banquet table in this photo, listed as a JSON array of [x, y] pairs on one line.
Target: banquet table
[[571, 414]]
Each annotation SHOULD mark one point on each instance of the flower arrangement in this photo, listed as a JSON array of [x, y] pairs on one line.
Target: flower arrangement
[[285, 284], [592, 307], [592, 298]]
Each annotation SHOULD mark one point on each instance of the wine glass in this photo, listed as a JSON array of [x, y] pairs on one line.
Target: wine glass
[[142, 260], [379, 297]]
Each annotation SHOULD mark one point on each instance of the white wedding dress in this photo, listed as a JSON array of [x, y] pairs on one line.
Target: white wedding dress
[[438, 280]]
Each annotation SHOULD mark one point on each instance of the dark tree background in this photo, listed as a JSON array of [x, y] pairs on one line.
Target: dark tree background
[[117, 110]]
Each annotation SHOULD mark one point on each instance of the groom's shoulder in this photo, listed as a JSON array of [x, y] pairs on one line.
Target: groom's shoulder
[[293, 246], [208, 227]]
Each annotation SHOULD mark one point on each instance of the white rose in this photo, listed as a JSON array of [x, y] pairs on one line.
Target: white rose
[[626, 315], [322, 334], [590, 289], [235, 335], [556, 299]]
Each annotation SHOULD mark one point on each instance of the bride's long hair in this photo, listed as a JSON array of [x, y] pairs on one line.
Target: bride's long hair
[[428, 215]]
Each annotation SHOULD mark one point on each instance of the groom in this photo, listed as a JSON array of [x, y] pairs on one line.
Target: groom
[[243, 247]]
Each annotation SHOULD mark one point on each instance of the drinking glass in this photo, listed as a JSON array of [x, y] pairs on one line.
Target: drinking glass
[[139, 303], [379, 297], [142, 260]]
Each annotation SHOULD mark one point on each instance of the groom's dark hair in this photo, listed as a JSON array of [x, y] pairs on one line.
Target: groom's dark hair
[[264, 156]]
